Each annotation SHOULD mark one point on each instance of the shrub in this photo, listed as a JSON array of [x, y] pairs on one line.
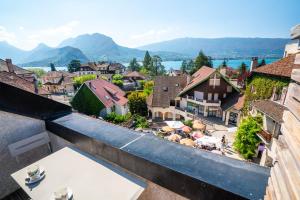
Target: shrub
[[140, 121], [116, 118], [118, 80], [188, 123], [148, 87], [246, 139]]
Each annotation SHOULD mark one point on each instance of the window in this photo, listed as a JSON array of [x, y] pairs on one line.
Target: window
[[214, 81], [209, 96], [216, 96], [224, 95]]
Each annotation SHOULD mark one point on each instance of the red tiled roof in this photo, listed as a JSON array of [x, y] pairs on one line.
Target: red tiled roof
[[199, 76], [108, 93], [19, 82], [281, 68]]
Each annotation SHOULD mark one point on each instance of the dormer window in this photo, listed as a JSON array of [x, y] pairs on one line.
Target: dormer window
[[214, 81]]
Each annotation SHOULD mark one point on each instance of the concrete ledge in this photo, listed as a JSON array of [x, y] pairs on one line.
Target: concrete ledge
[[193, 173]]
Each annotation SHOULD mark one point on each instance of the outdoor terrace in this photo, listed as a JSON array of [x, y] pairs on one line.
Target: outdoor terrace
[[188, 172]]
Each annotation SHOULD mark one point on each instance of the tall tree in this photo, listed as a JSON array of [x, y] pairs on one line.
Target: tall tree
[[156, 68], [74, 66], [262, 63], [190, 65], [200, 61], [52, 66], [243, 68], [224, 63], [147, 61], [184, 66], [134, 65]]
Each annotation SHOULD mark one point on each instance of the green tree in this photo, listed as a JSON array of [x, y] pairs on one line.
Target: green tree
[[224, 63], [117, 79], [242, 68], [74, 66], [184, 66], [52, 66], [200, 61], [134, 65], [190, 65], [156, 68], [147, 61], [246, 139], [262, 63], [137, 103]]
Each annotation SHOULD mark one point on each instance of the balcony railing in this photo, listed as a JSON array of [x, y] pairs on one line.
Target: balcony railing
[[265, 136]]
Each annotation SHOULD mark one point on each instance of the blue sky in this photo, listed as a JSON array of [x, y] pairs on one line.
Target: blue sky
[[25, 23]]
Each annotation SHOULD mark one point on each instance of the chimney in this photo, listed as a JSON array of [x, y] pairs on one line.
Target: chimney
[[35, 82], [254, 63], [90, 84], [9, 65]]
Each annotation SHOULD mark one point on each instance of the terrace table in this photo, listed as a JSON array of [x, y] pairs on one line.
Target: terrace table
[[87, 178]]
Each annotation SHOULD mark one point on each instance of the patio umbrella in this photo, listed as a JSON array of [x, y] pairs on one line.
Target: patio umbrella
[[199, 125], [187, 142], [197, 135], [167, 129], [174, 138], [186, 129]]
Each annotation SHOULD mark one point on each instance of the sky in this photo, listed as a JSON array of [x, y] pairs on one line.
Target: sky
[[133, 23]]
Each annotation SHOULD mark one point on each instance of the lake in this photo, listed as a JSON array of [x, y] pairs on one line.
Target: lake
[[176, 64]]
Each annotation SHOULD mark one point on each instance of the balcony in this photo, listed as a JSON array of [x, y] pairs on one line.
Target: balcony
[[171, 167], [203, 102], [265, 136]]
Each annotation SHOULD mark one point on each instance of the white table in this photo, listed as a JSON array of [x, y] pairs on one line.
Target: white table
[[88, 179]]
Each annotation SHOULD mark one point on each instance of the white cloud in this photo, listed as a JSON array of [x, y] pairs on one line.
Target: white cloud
[[6, 35], [21, 28], [54, 33]]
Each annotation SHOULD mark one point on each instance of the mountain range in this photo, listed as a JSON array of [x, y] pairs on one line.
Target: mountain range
[[223, 47], [99, 47]]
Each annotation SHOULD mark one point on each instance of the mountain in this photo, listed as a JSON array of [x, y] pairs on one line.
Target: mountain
[[101, 47], [223, 47], [9, 51], [41, 56], [44, 55]]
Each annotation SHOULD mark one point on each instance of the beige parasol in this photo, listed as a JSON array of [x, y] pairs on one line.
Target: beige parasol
[[188, 142], [167, 129], [174, 138], [199, 125]]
